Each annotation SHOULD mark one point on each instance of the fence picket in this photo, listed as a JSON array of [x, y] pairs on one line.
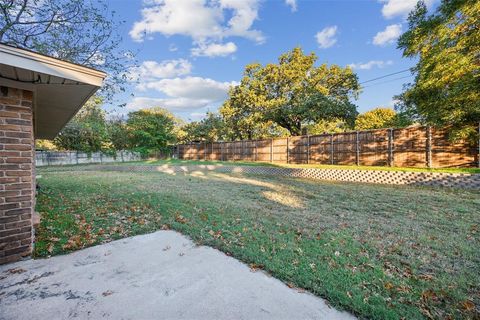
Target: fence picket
[[406, 147]]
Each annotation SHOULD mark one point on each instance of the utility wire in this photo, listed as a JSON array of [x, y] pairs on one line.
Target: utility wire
[[383, 82], [385, 76]]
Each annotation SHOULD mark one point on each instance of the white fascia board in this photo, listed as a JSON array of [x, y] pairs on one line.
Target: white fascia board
[[43, 64]]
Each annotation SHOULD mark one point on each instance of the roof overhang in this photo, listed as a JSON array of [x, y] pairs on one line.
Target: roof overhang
[[60, 88]]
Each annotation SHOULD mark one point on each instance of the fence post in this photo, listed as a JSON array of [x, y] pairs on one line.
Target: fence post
[[357, 149], [308, 149], [271, 150], [428, 146], [101, 158], [331, 148], [204, 150], [242, 150], [255, 156], [390, 147], [288, 150], [76, 157]]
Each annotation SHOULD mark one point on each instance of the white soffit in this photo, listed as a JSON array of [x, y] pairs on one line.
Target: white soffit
[[60, 88]]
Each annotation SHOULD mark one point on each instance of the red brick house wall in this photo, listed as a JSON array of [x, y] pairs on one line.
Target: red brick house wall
[[17, 185]]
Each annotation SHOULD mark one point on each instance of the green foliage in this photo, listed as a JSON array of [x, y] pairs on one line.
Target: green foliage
[[446, 90], [87, 131], [84, 32], [290, 94], [118, 133], [211, 128], [327, 126], [379, 118], [152, 130], [146, 131], [42, 144]]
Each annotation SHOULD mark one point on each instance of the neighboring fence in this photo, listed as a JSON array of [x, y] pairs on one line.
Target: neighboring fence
[[406, 147], [51, 158]]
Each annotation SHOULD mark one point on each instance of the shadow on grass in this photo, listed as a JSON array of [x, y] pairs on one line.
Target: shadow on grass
[[378, 251]]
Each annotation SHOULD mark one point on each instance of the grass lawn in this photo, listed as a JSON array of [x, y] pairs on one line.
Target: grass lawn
[[381, 252]]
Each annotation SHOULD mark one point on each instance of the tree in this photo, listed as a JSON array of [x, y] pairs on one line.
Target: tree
[[79, 31], [44, 145], [243, 117], [87, 131], [327, 126], [292, 94], [118, 133], [446, 90], [152, 130], [377, 118], [211, 128]]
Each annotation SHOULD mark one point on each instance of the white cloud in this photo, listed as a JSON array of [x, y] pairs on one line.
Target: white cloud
[[394, 8], [172, 47], [153, 70], [189, 93], [214, 50], [326, 37], [201, 20], [190, 87], [292, 4], [172, 104], [388, 36], [370, 64]]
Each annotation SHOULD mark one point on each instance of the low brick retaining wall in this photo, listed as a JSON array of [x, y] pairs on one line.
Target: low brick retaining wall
[[436, 179]]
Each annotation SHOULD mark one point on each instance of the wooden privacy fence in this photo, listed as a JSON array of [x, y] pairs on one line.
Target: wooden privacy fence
[[406, 147]]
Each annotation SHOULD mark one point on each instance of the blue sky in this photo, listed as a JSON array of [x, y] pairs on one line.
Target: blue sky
[[191, 51]]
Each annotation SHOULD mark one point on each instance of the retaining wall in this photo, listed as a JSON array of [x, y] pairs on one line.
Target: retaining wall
[[436, 179]]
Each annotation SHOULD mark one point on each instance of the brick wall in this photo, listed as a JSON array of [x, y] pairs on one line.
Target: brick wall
[[16, 174]]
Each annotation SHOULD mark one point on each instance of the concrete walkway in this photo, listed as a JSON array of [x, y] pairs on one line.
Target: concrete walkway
[[162, 275]]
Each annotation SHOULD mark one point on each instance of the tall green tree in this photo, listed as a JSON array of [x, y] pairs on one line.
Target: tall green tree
[[243, 116], [83, 32], [446, 90], [211, 128], [118, 133], [152, 130], [327, 126], [379, 118], [87, 131], [292, 94]]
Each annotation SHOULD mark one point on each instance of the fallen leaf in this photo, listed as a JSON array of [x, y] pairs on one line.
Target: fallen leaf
[[107, 293], [180, 218], [388, 285], [468, 305], [255, 267], [16, 270]]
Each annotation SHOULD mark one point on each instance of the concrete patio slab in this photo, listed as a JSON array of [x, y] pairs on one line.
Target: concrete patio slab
[[161, 275]]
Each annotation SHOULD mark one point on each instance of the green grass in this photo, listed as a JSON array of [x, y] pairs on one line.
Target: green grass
[[176, 162], [380, 252]]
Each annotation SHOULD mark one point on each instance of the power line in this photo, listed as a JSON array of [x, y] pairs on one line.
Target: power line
[[385, 76], [383, 82]]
